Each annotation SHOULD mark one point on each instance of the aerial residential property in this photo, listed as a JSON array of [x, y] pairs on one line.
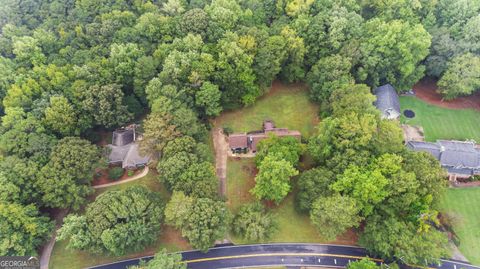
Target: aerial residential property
[[244, 142], [215, 134]]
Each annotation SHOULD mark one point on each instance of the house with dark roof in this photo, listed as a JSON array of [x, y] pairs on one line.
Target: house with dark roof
[[387, 102], [460, 158], [124, 149], [243, 142]]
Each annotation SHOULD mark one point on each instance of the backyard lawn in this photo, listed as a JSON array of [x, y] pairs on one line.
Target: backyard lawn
[[170, 239], [442, 123], [293, 226], [287, 105], [464, 205]]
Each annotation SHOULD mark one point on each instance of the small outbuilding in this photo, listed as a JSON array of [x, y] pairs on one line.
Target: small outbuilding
[[387, 102]]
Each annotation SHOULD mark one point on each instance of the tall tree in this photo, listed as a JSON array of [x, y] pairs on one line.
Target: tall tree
[[61, 116], [105, 104], [273, 179], [117, 221], [392, 238], [254, 223], [163, 260], [461, 78], [332, 215], [23, 229], [202, 221], [329, 73], [65, 180], [392, 53]]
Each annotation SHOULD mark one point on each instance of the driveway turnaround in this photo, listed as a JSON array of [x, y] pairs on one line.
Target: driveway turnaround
[[287, 254]]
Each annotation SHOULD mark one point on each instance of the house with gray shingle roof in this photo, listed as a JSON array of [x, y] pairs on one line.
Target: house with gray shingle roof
[[459, 158], [124, 149], [387, 102]]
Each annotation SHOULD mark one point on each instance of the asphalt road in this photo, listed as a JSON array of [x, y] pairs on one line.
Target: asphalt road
[[245, 256]]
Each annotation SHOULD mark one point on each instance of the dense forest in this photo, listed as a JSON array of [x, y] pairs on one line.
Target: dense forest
[[71, 68]]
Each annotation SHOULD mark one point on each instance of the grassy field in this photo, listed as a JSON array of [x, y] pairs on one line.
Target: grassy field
[[464, 206], [293, 226], [442, 123], [287, 105], [170, 239]]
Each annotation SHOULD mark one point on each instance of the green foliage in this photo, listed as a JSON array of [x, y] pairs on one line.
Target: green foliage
[[65, 180], [115, 173], [286, 148], [164, 260], [185, 167], [253, 222], [273, 179], [461, 77], [117, 222], [18, 180], [201, 220], [24, 230], [158, 130], [105, 103], [363, 264], [392, 52], [61, 116], [332, 215], [311, 184], [327, 75], [209, 97], [391, 238]]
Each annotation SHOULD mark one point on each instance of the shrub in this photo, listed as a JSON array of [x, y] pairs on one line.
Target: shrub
[[227, 130], [115, 173], [130, 173]]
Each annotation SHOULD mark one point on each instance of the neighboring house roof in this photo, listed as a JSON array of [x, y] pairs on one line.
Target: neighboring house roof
[[236, 141], [387, 101], [458, 157]]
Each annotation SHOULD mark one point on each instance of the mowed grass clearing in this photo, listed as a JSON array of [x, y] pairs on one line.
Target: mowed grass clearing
[[292, 225], [169, 239], [442, 123], [288, 105], [464, 205]]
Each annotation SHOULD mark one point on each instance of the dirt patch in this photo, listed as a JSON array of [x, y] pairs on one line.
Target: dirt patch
[[221, 149], [412, 133], [427, 88], [350, 237], [277, 85]]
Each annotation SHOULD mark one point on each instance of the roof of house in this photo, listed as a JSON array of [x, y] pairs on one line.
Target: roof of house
[[128, 155], [387, 101], [122, 137], [237, 141], [458, 157], [251, 139]]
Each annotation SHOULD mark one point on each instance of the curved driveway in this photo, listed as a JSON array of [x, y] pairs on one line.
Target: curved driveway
[[288, 254]]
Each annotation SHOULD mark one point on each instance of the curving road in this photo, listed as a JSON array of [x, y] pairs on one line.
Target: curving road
[[288, 254]]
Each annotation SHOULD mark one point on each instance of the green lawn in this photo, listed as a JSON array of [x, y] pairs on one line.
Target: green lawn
[[287, 105], [293, 226], [442, 123], [464, 205], [170, 239]]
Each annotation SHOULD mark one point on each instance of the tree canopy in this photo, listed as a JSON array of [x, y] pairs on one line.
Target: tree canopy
[[117, 221]]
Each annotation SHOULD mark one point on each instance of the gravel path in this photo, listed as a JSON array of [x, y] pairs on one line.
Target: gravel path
[[135, 177], [221, 148]]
